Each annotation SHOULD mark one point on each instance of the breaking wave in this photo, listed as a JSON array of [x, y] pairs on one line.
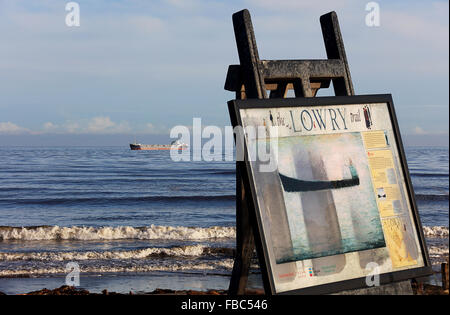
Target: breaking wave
[[435, 231], [152, 232], [217, 265], [115, 233], [180, 251], [438, 253]]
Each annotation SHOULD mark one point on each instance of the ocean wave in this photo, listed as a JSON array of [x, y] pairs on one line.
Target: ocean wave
[[116, 200], [441, 250], [179, 251], [222, 264], [435, 231], [232, 172], [52, 201], [152, 232], [212, 171], [429, 174], [115, 233], [425, 197], [438, 254]]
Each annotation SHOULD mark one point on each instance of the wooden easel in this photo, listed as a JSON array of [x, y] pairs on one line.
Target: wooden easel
[[252, 79]]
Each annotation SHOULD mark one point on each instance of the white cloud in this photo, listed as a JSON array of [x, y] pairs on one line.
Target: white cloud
[[147, 24], [72, 127], [11, 128], [103, 124], [282, 5], [419, 131], [48, 126], [96, 125], [411, 26], [155, 129], [100, 124], [183, 4]]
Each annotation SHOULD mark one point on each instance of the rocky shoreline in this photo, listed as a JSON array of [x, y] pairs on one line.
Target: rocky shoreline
[[418, 289]]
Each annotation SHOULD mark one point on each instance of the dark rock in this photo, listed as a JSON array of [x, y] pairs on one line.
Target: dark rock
[[64, 290]]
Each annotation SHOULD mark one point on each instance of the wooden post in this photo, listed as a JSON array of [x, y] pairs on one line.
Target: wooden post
[[254, 85], [444, 273], [245, 242]]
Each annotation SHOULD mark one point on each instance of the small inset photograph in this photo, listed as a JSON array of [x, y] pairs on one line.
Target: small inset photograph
[[390, 174], [397, 205], [381, 193]]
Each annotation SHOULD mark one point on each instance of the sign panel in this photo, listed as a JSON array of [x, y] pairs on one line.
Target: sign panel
[[333, 197]]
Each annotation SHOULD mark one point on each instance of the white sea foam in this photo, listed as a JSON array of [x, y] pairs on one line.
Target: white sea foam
[[223, 264], [115, 233], [190, 250], [435, 231], [438, 254], [438, 250], [143, 233]]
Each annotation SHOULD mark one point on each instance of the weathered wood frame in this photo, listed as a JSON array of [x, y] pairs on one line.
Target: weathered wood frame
[[251, 80]]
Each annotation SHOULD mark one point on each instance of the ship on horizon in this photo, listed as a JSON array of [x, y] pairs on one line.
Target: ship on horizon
[[174, 145]]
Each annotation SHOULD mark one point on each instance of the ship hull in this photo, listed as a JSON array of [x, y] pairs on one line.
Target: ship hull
[[140, 147]]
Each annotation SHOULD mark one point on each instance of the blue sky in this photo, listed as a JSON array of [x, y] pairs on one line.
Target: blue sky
[[141, 67]]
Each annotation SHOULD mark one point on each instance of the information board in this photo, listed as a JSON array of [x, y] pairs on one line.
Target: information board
[[332, 192]]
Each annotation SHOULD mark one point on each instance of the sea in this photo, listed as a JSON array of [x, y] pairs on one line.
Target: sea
[[133, 221]]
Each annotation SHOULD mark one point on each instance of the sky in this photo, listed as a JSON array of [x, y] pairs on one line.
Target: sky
[[139, 67]]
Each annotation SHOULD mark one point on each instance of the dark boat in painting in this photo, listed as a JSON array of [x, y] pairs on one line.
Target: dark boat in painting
[[297, 185]]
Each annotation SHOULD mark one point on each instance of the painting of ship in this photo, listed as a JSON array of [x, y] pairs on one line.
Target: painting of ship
[[297, 185], [328, 200], [174, 145]]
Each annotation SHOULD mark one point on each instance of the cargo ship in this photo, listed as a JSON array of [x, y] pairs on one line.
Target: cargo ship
[[174, 145]]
